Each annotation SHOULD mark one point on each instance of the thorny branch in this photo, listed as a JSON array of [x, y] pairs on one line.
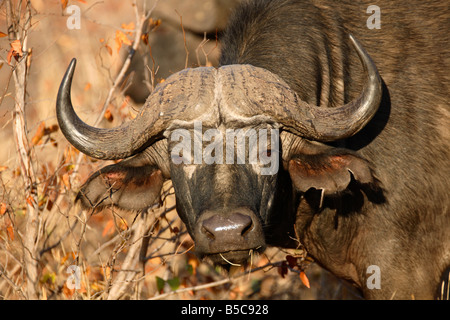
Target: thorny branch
[[22, 145]]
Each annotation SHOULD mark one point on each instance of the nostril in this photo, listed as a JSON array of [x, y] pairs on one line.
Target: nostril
[[208, 233], [246, 229]]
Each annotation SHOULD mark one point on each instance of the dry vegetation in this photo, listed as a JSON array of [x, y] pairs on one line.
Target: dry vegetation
[[145, 255]]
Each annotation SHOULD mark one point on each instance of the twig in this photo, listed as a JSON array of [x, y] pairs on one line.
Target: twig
[[124, 278], [7, 86], [24, 151], [216, 283], [11, 283], [184, 38]]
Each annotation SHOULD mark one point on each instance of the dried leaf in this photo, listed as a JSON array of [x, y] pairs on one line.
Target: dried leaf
[[69, 254], [51, 129], [68, 292], [304, 279], [129, 26], [31, 201], [42, 131], [144, 38], [283, 270], [154, 24], [292, 261], [66, 180], [2, 208], [2, 34], [17, 47], [39, 134], [10, 232], [120, 39], [15, 51], [49, 205], [108, 115], [64, 4]]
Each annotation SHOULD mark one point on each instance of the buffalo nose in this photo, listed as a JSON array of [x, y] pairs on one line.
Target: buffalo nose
[[227, 228], [228, 235]]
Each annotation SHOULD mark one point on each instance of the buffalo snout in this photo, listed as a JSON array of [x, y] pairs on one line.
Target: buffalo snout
[[229, 237]]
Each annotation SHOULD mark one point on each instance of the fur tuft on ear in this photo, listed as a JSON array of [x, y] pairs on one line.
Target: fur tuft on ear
[[330, 172], [123, 185]]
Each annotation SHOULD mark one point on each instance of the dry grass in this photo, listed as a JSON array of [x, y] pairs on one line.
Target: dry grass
[[119, 254]]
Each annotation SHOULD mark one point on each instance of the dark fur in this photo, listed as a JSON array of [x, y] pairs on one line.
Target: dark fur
[[406, 230]]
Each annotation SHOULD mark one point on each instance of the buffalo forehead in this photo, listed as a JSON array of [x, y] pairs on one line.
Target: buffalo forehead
[[233, 96], [185, 97], [250, 94]]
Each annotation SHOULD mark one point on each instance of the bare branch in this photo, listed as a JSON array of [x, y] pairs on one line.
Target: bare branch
[[23, 148], [184, 38], [216, 283]]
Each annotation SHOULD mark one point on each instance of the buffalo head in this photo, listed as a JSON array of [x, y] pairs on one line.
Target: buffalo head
[[231, 206]]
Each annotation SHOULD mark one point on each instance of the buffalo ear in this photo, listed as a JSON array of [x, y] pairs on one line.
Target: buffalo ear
[[330, 171], [123, 185]]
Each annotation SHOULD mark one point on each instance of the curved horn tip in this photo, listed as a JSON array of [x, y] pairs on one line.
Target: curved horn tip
[[66, 82], [71, 68]]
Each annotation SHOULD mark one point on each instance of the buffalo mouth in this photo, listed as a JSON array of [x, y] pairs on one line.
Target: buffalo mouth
[[227, 259]]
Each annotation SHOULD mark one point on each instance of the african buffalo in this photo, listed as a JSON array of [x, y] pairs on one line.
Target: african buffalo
[[363, 142]]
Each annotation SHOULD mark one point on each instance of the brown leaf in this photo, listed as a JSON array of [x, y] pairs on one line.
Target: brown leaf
[[144, 38], [108, 115], [15, 51], [154, 24], [68, 292], [64, 4], [31, 201], [2, 34], [292, 261], [283, 270], [66, 180], [129, 26], [120, 39], [10, 232], [39, 134], [42, 131], [69, 254], [51, 129], [304, 279], [2, 208]]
